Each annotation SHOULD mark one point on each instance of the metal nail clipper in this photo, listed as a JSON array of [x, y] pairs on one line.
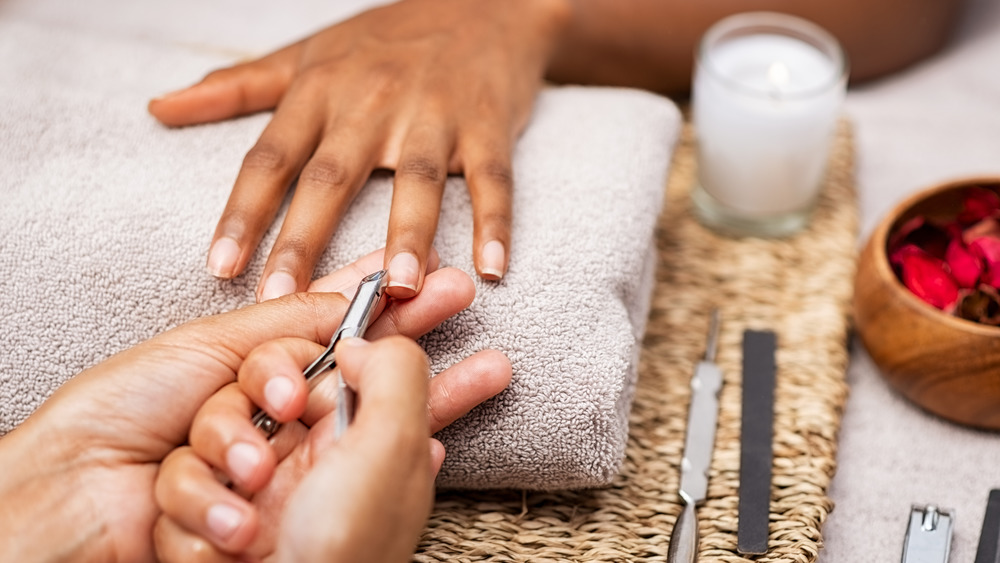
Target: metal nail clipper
[[359, 315], [928, 536]]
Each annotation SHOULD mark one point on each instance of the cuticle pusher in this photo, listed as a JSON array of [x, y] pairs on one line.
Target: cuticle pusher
[[703, 415]]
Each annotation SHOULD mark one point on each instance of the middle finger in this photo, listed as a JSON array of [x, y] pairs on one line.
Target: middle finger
[[223, 435], [326, 187], [416, 205]]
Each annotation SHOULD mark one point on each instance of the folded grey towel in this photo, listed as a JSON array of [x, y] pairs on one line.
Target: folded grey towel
[[106, 217]]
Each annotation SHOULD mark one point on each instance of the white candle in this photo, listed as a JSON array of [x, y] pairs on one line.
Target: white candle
[[765, 105]]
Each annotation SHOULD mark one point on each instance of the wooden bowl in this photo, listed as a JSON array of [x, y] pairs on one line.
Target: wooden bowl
[[947, 365]]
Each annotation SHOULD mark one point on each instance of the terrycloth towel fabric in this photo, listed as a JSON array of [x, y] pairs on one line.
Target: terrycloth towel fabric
[[106, 217]]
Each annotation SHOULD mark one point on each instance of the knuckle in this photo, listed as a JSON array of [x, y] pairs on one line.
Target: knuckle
[[487, 101], [307, 301], [498, 173], [386, 70], [423, 169], [444, 402], [435, 419], [311, 303], [314, 79], [384, 80], [497, 221], [390, 321], [293, 249], [217, 75], [325, 172], [266, 157], [241, 221]]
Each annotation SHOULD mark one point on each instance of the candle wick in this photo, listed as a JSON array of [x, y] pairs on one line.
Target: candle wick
[[779, 76]]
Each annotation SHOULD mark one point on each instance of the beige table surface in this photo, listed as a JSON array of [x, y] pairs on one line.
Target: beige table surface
[[937, 121]]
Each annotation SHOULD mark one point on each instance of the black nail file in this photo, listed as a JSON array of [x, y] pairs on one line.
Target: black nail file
[[756, 450], [989, 538]]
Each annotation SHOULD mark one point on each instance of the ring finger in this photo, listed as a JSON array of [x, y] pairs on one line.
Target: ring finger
[[190, 495]]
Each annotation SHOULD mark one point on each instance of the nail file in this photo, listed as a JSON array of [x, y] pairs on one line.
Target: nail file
[[756, 451], [989, 538]]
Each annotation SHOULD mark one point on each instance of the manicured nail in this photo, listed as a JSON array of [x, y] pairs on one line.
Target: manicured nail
[[169, 95], [278, 392], [243, 459], [492, 259], [222, 258], [353, 342], [404, 271], [277, 285], [223, 520]]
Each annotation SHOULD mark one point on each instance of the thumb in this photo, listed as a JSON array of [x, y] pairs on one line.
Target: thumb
[[316, 316], [229, 92], [232, 335], [367, 497]]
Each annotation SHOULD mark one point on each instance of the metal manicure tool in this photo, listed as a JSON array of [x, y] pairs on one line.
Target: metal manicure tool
[[928, 536], [359, 315], [702, 417]]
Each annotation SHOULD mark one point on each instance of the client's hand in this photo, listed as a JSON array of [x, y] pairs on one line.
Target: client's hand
[[422, 87], [78, 475], [365, 497]]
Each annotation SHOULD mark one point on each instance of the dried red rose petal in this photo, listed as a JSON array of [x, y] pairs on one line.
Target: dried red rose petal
[[926, 276], [966, 267], [924, 234], [954, 264], [988, 227], [900, 234], [988, 248], [979, 204], [953, 230]]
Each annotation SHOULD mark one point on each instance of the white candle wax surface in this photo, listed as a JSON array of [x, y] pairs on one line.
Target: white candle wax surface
[[765, 108]]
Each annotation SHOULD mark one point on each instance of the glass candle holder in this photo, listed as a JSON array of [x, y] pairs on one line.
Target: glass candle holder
[[767, 94]]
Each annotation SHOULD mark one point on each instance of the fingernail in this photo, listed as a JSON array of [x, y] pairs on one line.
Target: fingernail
[[277, 285], [169, 95], [223, 520], [222, 257], [404, 271], [243, 459], [278, 392], [353, 342], [492, 259]]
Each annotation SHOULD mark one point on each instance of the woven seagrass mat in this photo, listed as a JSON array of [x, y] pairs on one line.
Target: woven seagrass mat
[[799, 287]]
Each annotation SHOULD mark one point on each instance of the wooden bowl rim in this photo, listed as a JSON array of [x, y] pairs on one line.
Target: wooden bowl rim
[[880, 239]]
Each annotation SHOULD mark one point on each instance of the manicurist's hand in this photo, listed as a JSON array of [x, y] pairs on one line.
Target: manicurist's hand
[[306, 496], [422, 87], [78, 475]]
